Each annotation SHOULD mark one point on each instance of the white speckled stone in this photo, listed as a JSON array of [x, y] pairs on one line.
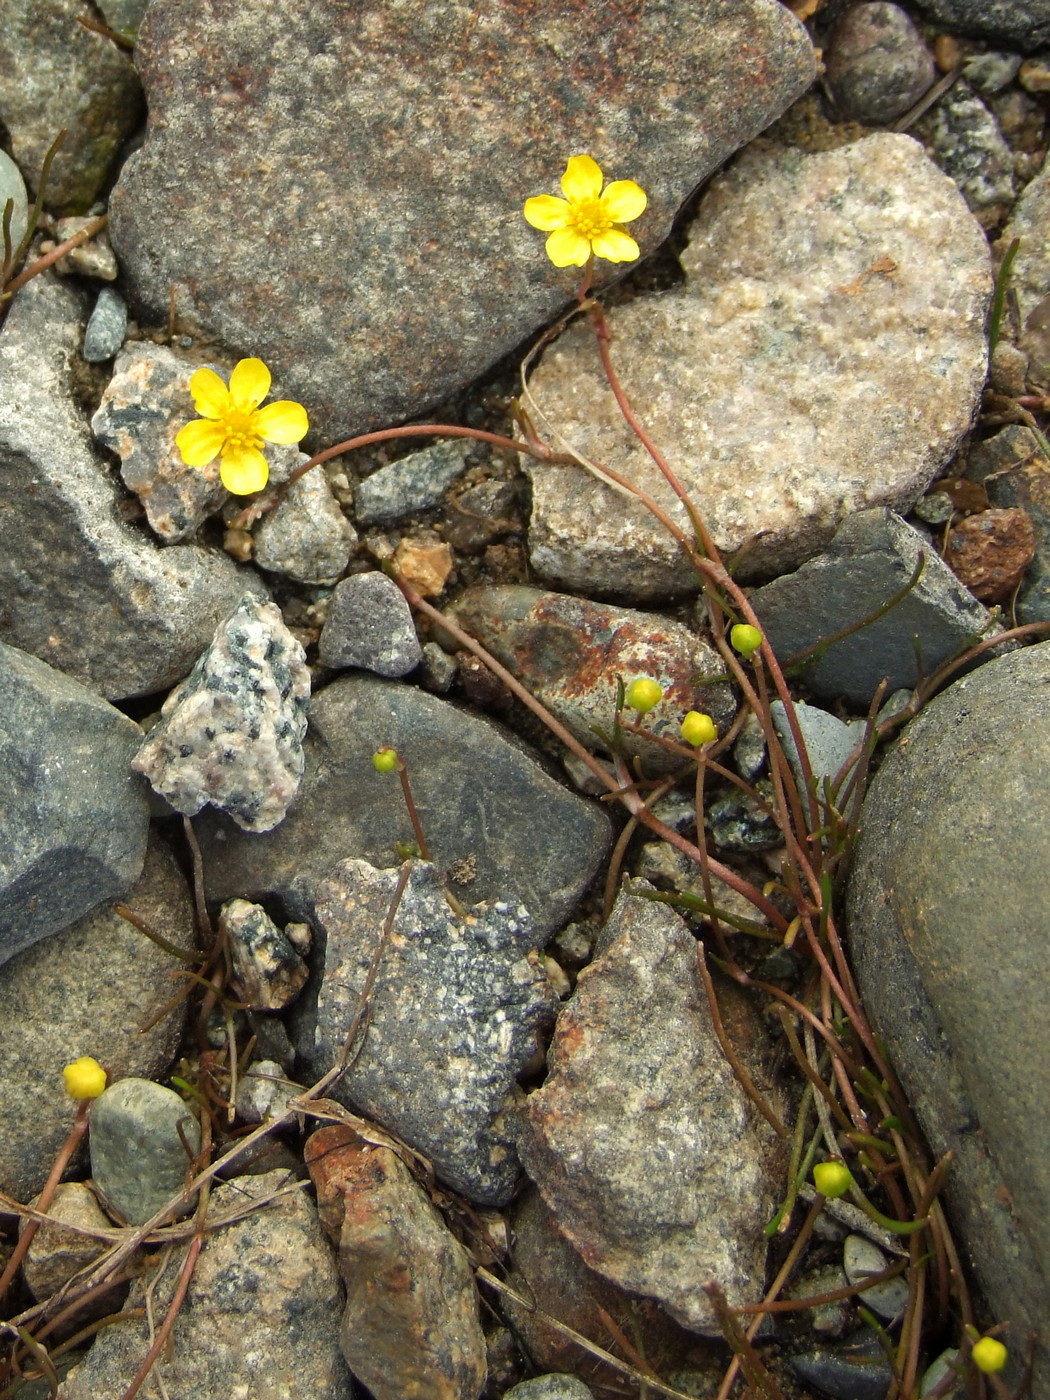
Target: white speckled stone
[[826, 354], [307, 538], [231, 733]]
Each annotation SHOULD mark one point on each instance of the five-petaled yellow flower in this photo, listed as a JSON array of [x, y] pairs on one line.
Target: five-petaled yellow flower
[[233, 427], [587, 221]]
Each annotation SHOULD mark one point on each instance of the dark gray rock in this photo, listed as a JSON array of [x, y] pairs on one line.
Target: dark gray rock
[[88, 990], [947, 931], [964, 138], [873, 556], [143, 1139], [876, 64], [453, 1016], [1023, 24], [857, 1370], [79, 587], [482, 797], [409, 138], [653, 1161], [106, 327], [410, 484], [76, 817], [370, 625]]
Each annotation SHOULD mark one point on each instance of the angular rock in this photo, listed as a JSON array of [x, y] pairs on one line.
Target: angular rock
[[1016, 473], [964, 138], [56, 1254], [231, 733], [826, 354], [570, 653], [480, 794], [872, 557], [259, 1318], [861, 1259], [106, 327], [855, 1370], [876, 64], [307, 537], [411, 484], [80, 588], [86, 991], [267, 971], [411, 1325], [656, 1166], [55, 73], [1023, 24], [453, 1016], [945, 916], [75, 817], [828, 741], [143, 1140], [408, 269], [990, 551], [93, 258], [264, 1092], [370, 625]]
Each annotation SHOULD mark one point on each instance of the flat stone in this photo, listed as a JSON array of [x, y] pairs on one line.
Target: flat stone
[[106, 327], [654, 1163], [788, 389], [80, 588], [1023, 24], [411, 484], [370, 625], [259, 1318], [267, 972], [76, 818], [946, 929], [411, 1325], [230, 735], [143, 1139], [876, 63], [307, 537], [480, 794], [453, 1016], [88, 990], [872, 557], [408, 139]]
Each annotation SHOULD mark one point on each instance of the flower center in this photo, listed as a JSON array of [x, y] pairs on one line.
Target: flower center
[[589, 218], [240, 430]]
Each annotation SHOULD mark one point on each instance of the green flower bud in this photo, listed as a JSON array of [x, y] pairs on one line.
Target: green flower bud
[[385, 760], [832, 1179], [745, 639], [643, 694], [698, 729]]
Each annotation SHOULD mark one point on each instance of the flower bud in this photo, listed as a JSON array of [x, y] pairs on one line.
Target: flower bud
[[745, 639], [698, 729], [385, 760], [989, 1355], [832, 1179], [643, 694], [85, 1078]]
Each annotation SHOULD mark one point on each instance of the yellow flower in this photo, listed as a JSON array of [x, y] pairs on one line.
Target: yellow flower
[[587, 221], [85, 1078], [233, 427]]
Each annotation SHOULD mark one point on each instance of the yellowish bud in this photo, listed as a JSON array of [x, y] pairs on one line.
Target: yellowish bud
[[385, 760], [745, 639], [85, 1078], [832, 1179], [644, 694], [989, 1355], [698, 729]]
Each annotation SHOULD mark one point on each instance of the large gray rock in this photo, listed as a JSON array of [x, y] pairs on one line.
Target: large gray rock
[[826, 354], [75, 816], [485, 803], [80, 588], [357, 220], [947, 922]]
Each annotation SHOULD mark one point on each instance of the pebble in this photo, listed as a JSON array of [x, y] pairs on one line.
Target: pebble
[[871, 558], [411, 484], [75, 819], [93, 258], [774, 389], [259, 1318], [964, 138], [828, 1319], [861, 1259], [12, 187], [990, 551], [267, 973], [1008, 370], [1034, 75], [1023, 24], [438, 670], [650, 1156], [988, 73], [944, 918], [106, 327], [411, 1325], [482, 797], [408, 269], [424, 564], [307, 537], [453, 1017], [1030, 277], [56, 1254], [370, 625], [571, 653], [264, 1092], [1016, 472], [551, 1387], [82, 589], [876, 64], [231, 733], [857, 1370], [829, 742], [143, 1139]]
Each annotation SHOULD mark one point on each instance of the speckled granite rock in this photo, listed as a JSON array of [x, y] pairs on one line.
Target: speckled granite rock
[[411, 1324], [231, 733], [142, 1137], [80, 588], [963, 137], [370, 625], [1030, 278], [55, 73], [412, 483], [652, 1159], [307, 537], [259, 1319], [409, 137], [75, 817], [453, 1017], [826, 354], [267, 971], [1024, 24], [55, 1254]]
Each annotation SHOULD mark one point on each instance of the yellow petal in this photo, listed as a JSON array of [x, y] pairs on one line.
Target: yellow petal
[[624, 201], [283, 421], [582, 179], [615, 246], [249, 384], [244, 470], [211, 398], [200, 442], [567, 248], [547, 211]]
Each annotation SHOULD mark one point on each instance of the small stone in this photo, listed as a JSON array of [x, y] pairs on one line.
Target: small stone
[[829, 742], [106, 327], [12, 187], [861, 1259], [827, 1319], [264, 1092], [1034, 74], [1023, 24], [659, 862], [56, 1254], [267, 971], [143, 1140], [737, 822], [411, 484], [370, 625], [1017, 474], [482, 514], [935, 508], [989, 73], [231, 733], [990, 552], [964, 138], [550, 1387], [438, 670], [857, 1370], [300, 936], [307, 537], [93, 258], [423, 565], [1009, 369], [1030, 277], [876, 63]]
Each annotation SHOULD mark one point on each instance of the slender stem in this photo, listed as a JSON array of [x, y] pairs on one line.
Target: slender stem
[[41, 263], [413, 811]]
